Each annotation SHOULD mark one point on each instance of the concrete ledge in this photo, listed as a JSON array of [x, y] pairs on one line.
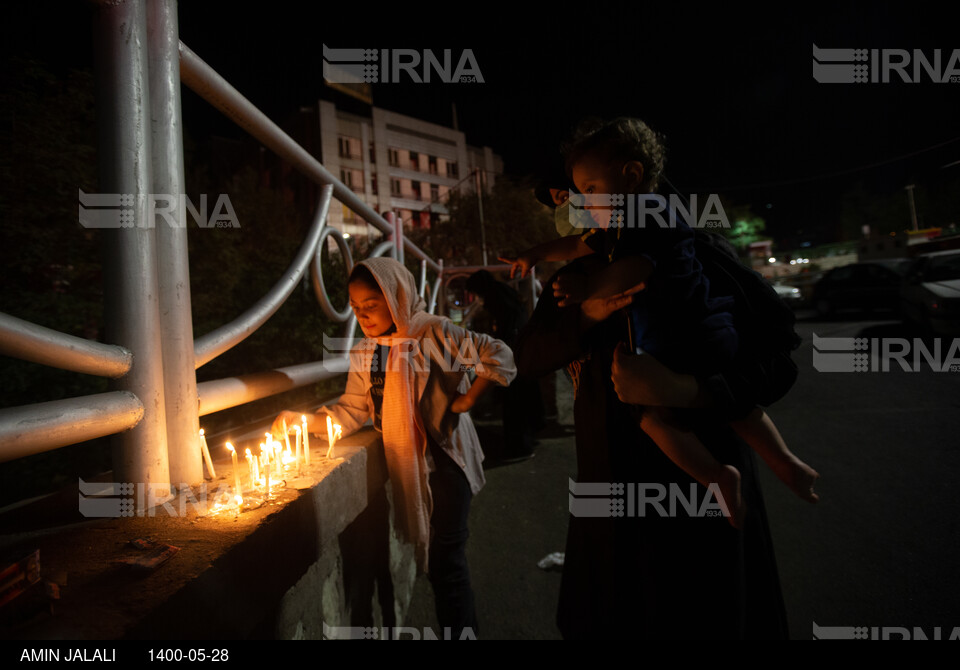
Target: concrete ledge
[[326, 554]]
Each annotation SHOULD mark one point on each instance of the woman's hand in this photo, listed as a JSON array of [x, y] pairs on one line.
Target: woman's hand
[[570, 289], [522, 262], [627, 380], [461, 404], [595, 310]]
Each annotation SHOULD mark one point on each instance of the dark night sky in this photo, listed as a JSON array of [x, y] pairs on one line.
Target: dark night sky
[[731, 89]]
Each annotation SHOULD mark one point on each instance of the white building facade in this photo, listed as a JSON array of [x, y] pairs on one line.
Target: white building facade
[[398, 163]]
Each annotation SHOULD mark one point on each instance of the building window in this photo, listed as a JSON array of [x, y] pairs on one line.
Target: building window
[[452, 169], [434, 192], [394, 157], [415, 186], [432, 164], [373, 184], [373, 153], [414, 160], [352, 179], [394, 187], [349, 147]]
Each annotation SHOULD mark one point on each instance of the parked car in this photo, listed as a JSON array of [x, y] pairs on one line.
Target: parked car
[[930, 296], [789, 294], [866, 286]]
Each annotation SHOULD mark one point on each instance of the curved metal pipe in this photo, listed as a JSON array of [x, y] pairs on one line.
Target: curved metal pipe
[[38, 344], [225, 337], [316, 274], [33, 429], [219, 394]]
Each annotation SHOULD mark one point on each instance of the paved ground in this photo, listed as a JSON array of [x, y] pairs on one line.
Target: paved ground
[[881, 549]]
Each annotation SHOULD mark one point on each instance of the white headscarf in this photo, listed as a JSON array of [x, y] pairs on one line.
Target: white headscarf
[[404, 436]]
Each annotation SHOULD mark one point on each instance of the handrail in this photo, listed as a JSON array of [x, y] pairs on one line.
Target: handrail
[[32, 429], [38, 344], [219, 394], [216, 342], [49, 425]]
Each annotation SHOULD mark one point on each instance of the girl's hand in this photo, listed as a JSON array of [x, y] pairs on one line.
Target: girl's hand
[[461, 404], [293, 419]]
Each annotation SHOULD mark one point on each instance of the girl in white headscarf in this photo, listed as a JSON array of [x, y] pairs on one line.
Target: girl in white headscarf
[[409, 374]]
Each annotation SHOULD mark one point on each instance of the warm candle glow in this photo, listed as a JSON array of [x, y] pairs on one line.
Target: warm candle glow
[[296, 432], [329, 435], [236, 469], [205, 451], [286, 438], [334, 430], [250, 470], [306, 440], [267, 469]]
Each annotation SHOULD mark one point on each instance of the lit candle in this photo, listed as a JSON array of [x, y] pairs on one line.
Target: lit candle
[[297, 432], [205, 450], [251, 469], [306, 440], [334, 432], [267, 468], [236, 469], [329, 435], [286, 438]]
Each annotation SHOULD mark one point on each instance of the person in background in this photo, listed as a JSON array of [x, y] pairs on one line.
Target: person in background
[[521, 402]]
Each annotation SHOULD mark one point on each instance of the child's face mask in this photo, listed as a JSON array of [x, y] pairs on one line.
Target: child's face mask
[[572, 220], [371, 308]]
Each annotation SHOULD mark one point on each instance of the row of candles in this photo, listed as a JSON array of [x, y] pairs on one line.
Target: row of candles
[[273, 458]]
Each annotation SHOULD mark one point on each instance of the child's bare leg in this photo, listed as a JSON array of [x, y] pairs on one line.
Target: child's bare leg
[[759, 431], [689, 454]]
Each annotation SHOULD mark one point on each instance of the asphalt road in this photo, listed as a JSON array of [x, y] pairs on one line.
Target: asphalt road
[[881, 549]]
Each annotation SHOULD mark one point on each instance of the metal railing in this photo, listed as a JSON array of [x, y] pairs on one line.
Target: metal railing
[[154, 407]]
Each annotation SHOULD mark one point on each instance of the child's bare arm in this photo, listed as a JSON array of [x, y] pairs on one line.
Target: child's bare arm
[[561, 249], [463, 403], [619, 276]]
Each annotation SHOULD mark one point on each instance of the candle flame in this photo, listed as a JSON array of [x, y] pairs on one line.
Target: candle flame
[[230, 446], [201, 432]]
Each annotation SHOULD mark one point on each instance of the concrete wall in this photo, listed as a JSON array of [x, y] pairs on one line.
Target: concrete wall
[[322, 552]]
